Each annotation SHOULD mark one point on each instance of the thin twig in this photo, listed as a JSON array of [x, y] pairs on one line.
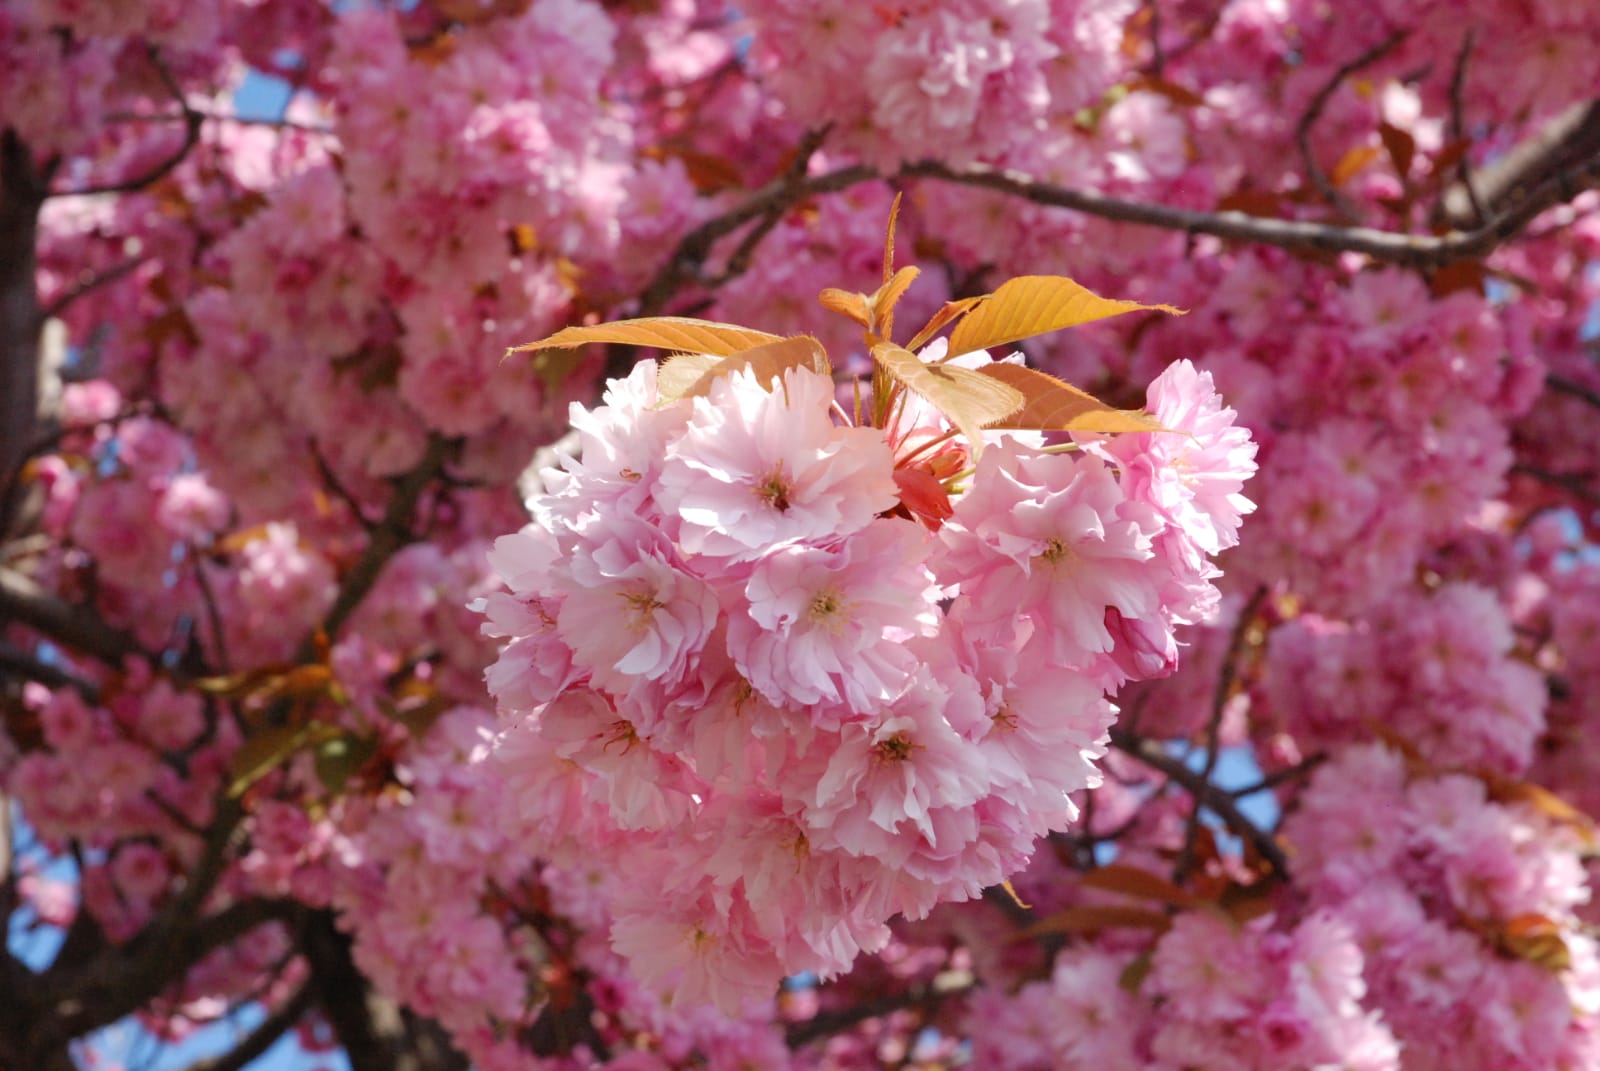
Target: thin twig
[[220, 117], [1226, 679], [392, 533], [213, 615], [1577, 484], [1458, 125], [1206, 795], [264, 1036], [1302, 130], [926, 997], [695, 247], [94, 282], [740, 261], [193, 120], [1571, 387], [1158, 59], [1283, 776], [337, 486]]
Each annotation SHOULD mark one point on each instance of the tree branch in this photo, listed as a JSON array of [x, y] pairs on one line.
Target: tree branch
[[926, 997], [1226, 679], [88, 285], [18, 663], [1562, 146], [775, 197], [1563, 385], [1458, 126], [1302, 131], [192, 120], [1206, 794], [387, 537], [264, 1036], [22, 192], [1409, 250], [375, 1033], [1576, 484], [1280, 777], [121, 979], [26, 602]]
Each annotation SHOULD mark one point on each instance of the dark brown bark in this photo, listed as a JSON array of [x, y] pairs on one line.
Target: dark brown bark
[[375, 1033], [22, 191]]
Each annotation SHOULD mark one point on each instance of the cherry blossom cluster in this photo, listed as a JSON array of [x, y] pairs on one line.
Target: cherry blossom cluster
[[267, 337], [803, 710]]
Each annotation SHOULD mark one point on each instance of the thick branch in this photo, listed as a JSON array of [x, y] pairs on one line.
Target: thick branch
[[1410, 250], [1565, 143], [122, 979], [22, 191], [15, 662], [26, 602], [375, 1033]]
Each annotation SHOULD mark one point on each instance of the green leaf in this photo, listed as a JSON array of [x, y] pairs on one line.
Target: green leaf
[[265, 751], [339, 759], [971, 400], [1056, 405], [691, 375], [1032, 305], [678, 333]]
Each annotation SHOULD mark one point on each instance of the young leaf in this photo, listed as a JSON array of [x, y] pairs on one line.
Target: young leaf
[[952, 310], [264, 751], [1402, 148], [1352, 162], [1055, 405], [678, 333], [340, 758], [1097, 918], [851, 306], [970, 400], [888, 240], [887, 295], [874, 311], [1034, 305], [1133, 881], [690, 375]]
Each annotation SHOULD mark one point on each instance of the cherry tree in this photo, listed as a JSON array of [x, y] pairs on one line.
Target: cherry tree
[[654, 535]]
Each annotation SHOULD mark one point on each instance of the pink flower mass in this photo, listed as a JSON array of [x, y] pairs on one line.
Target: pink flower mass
[[917, 756], [811, 535]]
